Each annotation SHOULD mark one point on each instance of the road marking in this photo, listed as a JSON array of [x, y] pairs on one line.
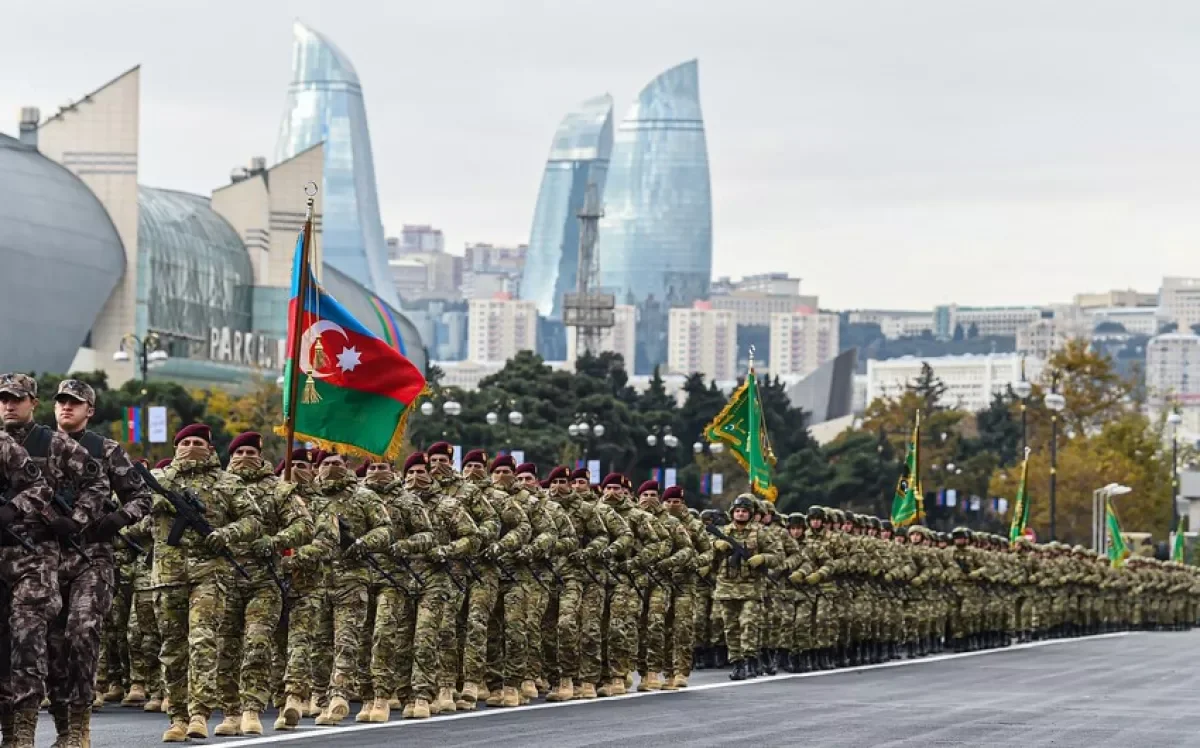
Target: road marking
[[311, 732]]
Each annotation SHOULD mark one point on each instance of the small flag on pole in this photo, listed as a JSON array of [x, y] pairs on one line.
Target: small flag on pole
[[132, 423], [1118, 550], [1179, 547], [1020, 517]]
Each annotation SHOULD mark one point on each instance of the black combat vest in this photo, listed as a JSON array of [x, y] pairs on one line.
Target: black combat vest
[[37, 444]]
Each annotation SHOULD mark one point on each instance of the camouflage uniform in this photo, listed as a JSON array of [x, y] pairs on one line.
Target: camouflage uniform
[[191, 583], [506, 639], [85, 588], [29, 596], [739, 585], [680, 635], [144, 641], [660, 580], [527, 565], [624, 604], [253, 608]]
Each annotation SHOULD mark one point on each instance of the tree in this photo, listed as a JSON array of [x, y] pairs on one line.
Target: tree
[[999, 431], [1109, 328], [973, 331], [928, 388], [958, 332]]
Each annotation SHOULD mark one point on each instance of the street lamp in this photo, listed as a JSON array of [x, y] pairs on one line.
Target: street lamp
[[1055, 402], [586, 431], [1174, 421], [1023, 389], [149, 354], [1100, 499]]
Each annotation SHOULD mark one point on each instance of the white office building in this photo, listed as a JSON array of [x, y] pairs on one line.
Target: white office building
[[1179, 300], [499, 328], [801, 341], [702, 339], [971, 380]]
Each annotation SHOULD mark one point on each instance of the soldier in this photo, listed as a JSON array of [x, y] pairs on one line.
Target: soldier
[[545, 648], [706, 621], [80, 491], [345, 509], [739, 556], [192, 581], [818, 569], [306, 580], [659, 581], [74, 406], [253, 609], [680, 634], [528, 563], [144, 640], [797, 622]]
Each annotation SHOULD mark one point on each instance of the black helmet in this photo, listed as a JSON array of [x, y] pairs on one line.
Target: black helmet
[[816, 512], [710, 515], [745, 501], [900, 532], [886, 525], [961, 532], [797, 519], [874, 523]]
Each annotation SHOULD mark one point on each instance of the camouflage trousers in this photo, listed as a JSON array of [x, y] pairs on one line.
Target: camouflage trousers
[[551, 669], [29, 601], [967, 617], [292, 668], [652, 622], [825, 618], [537, 600], [587, 662], [622, 607], [449, 649], [348, 611], [188, 618], [702, 607], [405, 659], [322, 662], [115, 665], [362, 678], [798, 623], [567, 628], [741, 627], [144, 642], [480, 605], [680, 620], [508, 642], [86, 590], [246, 637]]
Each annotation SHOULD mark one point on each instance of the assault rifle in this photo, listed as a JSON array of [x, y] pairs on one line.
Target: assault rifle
[[740, 553], [189, 514], [346, 539], [60, 502]]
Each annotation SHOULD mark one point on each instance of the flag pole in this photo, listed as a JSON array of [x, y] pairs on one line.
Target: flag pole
[[293, 383]]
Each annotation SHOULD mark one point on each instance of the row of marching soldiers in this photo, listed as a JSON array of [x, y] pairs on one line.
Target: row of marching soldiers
[[427, 591]]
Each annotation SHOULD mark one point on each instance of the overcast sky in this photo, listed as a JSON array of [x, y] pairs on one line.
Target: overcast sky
[[892, 154]]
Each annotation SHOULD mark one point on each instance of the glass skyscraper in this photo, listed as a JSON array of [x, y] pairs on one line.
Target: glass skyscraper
[[325, 104], [578, 157], [655, 243]]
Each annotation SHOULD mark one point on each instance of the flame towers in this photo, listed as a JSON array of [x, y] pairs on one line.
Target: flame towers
[[325, 104], [655, 243]]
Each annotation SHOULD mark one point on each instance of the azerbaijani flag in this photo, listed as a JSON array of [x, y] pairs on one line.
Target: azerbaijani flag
[[357, 389], [132, 425]]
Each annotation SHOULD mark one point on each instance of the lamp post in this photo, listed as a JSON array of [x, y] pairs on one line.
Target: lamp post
[[1100, 498], [149, 352], [587, 432], [451, 408], [1055, 402], [1174, 421], [669, 441], [1023, 389], [514, 418]]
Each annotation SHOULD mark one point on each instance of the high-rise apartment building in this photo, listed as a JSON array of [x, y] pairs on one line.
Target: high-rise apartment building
[[416, 239], [500, 327], [1173, 376], [325, 105], [801, 341], [702, 339], [655, 243], [754, 298], [489, 269]]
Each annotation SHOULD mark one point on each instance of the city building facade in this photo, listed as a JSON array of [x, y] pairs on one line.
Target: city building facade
[[755, 298], [802, 340], [894, 324], [655, 243], [500, 327], [415, 239], [971, 380], [702, 339], [1115, 298], [620, 338], [490, 269], [325, 105], [992, 321], [1173, 377], [578, 161], [1179, 300]]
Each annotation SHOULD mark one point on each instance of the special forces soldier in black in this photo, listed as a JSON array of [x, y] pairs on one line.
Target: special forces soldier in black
[[75, 638], [82, 591]]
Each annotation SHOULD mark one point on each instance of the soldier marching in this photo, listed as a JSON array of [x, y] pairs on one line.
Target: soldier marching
[[427, 591]]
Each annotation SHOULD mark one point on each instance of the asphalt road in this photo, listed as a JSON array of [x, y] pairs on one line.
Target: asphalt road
[[1118, 690]]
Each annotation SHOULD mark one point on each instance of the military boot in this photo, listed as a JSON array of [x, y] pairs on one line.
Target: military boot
[[381, 710], [24, 728], [564, 692], [85, 729], [337, 711], [739, 671], [98, 700], [653, 682], [74, 736], [115, 693], [313, 708], [421, 709], [230, 726], [154, 703], [407, 711], [494, 697], [668, 682], [62, 724], [617, 687], [680, 681], [721, 657], [176, 733], [510, 697], [364, 713], [292, 712], [251, 725], [445, 701], [198, 726], [136, 695], [469, 699], [586, 691]]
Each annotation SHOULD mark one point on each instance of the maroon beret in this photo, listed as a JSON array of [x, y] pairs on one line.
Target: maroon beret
[[558, 472], [322, 456], [475, 455], [650, 485], [581, 473], [504, 461], [545, 483], [279, 467], [526, 467], [627, 482], [307, 455], [613, 479], [196, 429], [416, 458], [440, 448], [163, 463], [361, 470], [673, 492], [246, 439]]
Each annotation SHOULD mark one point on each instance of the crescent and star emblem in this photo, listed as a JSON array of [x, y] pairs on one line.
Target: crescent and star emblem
[[347, 360]]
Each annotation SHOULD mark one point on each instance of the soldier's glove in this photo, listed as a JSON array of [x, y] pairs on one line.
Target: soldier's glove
[[9, 513], [355, 551], [264, 547], [722, 545], [757, 560], [216, 541], [63, 527], [815, 578], [704, 571], [609, 551], [918, 582], [439, 555], [401, 549], [108, 527], [797, 577]]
